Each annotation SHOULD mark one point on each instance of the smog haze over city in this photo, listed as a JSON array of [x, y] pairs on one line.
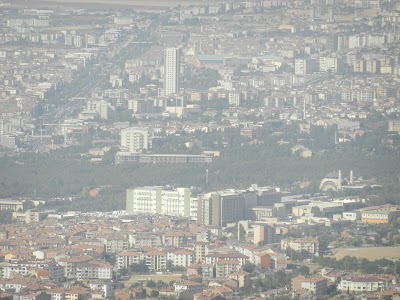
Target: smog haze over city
[[200, 149]]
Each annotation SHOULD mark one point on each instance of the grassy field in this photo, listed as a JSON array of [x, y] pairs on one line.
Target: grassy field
[[371, 253]]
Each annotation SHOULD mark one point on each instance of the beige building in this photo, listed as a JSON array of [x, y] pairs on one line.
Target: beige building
[[380, 215], [226, 267], [28, 216]]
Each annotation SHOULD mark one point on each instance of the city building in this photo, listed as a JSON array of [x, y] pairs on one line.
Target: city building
[[380, 215], [28, 216], [317, 285], [94, 270], [222, 207], [159, 200], [13, 205], [308, 245], [135, 139], [127, 258], [171, 71], [300, 66], [225, 267], [264, 233], [358, 284], [394, 126], [329, 64]]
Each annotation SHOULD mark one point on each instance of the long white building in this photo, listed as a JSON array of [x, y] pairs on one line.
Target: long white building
[[364, 284], [159, 200]]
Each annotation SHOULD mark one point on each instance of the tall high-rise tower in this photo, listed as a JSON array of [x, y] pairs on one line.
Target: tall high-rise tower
[[171, 72]]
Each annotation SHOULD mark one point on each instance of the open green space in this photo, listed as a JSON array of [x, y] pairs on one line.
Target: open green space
[[370, 253]]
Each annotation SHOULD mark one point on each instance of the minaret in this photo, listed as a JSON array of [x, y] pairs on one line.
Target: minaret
[[351, 177]]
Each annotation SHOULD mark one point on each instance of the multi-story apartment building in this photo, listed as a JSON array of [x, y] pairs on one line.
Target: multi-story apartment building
[[135, 139], [214, 257], [26, 268], [329, 64], [225, 267], [299, 245], [156, 261], [171, 71], [115, 244], [70, 264], [94, 270], [101, 107], [127, 258], [140, 241], [201, 250], [363, 284], [316, 285], [181, 258]]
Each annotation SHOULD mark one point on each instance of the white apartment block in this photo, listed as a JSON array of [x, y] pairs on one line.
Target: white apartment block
[[156, 261], [156, 200], [308, 245], [135, 139]]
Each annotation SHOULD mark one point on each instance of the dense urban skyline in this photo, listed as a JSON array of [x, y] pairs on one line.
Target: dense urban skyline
[[199, 150]]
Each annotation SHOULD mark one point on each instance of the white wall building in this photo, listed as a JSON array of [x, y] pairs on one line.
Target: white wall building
[[181, 258], [156, 200], [359, 284]]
